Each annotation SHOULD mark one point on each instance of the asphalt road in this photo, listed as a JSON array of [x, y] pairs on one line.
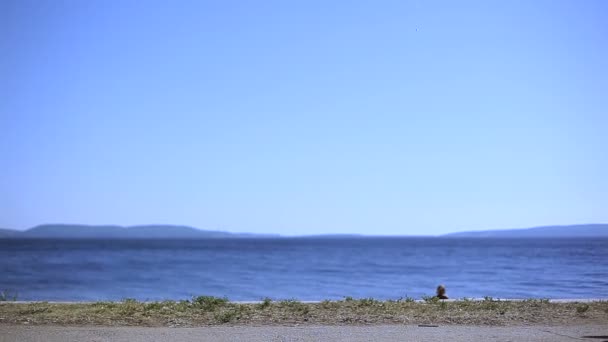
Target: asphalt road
[[454, 333]]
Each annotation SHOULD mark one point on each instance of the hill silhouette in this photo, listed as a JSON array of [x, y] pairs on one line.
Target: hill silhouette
[[158, 231], [578, 230]]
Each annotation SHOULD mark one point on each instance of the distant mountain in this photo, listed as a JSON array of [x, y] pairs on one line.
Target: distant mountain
[[579, 230], [4, 233], [330, 236], [77, 231]]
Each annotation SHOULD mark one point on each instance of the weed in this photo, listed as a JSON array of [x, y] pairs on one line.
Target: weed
[[226, 316], [295, 306], [266, 302], [582, 308], [209, 303], [153, 306], [368, 302], [348, 299], [430, 299], [327, 304], [409, 300], [36, 308], [182, 306], [129, 306], [489, 303]]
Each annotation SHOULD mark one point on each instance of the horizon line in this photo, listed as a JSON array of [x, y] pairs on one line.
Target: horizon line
[[305, 235]]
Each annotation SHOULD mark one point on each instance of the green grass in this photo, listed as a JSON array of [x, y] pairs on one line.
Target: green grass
[[266, 302], [407, 299], [294, 306], [209, 303], [368, 302], [430, 299]]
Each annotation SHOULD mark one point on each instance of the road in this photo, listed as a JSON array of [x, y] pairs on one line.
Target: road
[[454, 333]]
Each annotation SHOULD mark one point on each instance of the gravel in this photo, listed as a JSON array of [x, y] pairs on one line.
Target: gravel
[[451, 333]]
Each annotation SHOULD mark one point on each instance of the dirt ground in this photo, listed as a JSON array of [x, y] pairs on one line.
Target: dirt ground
[[451, 333]]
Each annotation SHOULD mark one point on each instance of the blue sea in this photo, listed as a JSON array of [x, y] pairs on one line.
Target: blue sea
[[303, 268]]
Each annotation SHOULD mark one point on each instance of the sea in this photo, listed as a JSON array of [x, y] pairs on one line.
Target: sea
[[306, 269]]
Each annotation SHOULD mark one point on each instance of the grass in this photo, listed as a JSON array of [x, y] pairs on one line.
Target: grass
[[582, 308], [266, 302], [207, 310], [408, 299], [209, 303]]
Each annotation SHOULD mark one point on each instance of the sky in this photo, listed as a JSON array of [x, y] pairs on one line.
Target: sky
[[304, 117]]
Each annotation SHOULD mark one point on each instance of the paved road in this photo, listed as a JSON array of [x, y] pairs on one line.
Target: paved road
[[25, 333]]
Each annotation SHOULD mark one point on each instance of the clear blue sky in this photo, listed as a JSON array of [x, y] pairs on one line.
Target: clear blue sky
[[304, 117]]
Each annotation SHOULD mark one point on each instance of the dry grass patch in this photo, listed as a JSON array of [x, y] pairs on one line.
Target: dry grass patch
[[205, 310]]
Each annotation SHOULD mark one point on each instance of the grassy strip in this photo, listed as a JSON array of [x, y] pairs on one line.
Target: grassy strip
[[205, 310]]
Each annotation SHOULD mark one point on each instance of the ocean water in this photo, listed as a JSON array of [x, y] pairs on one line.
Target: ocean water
[[303, 268]]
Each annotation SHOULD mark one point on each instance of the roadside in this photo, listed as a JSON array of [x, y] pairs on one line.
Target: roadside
[[213, 311], [451, 333]]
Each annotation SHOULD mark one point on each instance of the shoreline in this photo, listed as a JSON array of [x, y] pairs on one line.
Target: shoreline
[[559, 300], [549, 300]]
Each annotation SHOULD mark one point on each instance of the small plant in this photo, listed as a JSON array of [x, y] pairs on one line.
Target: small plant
[[295, 306], [129, 306], [490, 303], [7, 295], [407, 299], [291, 303], [348, 299], [326, 304], [226, 316], [430, 299], [266, 302], [582, 308], [182, 305], [153, 306], [368, 302], [209, 303], [536, 302]]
